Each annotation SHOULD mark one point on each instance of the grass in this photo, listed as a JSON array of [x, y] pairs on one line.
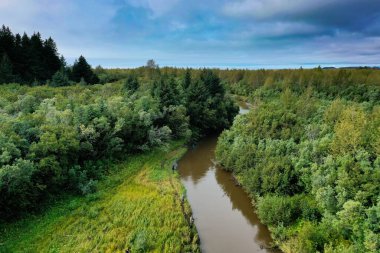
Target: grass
[[138, 206]]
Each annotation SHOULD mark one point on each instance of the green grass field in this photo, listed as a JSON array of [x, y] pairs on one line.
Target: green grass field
[[138, 206]]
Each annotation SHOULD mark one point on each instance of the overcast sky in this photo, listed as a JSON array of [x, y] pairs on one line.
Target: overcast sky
[[197, 33]]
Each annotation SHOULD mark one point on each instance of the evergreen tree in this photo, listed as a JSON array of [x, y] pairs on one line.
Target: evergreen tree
[[19, 59], [208, 106], [186, 79], [197, 108], [6, 41], [63, 62], [212, 82], [52, 61], [132, 83], [166, 91], [33, 60], [35, 56], [60, 78], [25, 73], [6, 75], [81, 69], [151, 64]]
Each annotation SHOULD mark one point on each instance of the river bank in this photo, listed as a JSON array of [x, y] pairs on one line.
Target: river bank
[[137, 206]]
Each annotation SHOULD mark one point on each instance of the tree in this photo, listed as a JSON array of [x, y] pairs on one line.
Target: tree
[[212, 82], [17, 190], [132, 83], [6, 41], [60, 78], [36, 58], [186, 79], [196, 105], [33, 59], [349, 130], [25, 68], [52, 61], [6, 75], [151, 64], [166, 91], [81, 69]]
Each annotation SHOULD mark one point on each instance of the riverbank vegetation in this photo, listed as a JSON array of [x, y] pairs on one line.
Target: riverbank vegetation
[[81, 146], [138, 206], [63, 139], [308, 154]]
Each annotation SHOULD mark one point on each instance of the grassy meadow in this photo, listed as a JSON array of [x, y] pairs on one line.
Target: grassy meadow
[[138, 206]]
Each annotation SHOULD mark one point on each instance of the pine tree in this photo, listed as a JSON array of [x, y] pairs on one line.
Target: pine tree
[[60, 78], [212, 82], [35, 56], [151, 64], [25, 73], [19, 59], [32, 59], [186, 79], [81, 69], [52, 62], [6, 41], [6, 75], [131, 83]]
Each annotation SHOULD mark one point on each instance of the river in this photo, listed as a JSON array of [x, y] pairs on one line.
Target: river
[[223, 213]]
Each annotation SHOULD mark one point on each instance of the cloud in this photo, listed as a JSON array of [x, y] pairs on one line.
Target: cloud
[[349, 15], [262, 9], [221, 32], [278, 29], [158, 8]]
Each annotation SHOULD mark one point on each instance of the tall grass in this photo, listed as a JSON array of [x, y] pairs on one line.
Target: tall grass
[[138, 206]]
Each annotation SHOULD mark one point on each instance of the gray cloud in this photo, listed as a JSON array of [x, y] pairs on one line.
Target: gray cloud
[[267, 9], [348, 15], [192, 33]]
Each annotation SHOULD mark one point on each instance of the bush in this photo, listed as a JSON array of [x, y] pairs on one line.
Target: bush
[[88, 187], [274, 210]]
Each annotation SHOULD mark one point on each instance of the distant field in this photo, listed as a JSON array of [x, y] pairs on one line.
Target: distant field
[[138, 206]]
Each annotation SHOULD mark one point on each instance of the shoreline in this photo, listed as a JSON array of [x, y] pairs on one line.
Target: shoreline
[[133, 207]]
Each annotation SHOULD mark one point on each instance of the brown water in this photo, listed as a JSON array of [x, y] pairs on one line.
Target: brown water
[[223, 213]]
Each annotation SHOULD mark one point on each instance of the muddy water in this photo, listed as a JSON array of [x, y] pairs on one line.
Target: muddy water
[[223, 213]]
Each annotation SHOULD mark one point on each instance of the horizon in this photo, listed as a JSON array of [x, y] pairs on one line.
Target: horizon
[[252, 67], [239, 34]]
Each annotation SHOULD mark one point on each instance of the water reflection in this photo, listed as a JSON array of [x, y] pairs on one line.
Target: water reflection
[[241, 201], [223, 213], [200, 159], [243, 107]]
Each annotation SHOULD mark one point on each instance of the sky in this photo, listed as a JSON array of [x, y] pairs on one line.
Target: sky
[[205, 33]]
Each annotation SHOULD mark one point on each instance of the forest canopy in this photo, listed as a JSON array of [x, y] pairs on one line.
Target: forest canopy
[[308, 153], [58, 140]]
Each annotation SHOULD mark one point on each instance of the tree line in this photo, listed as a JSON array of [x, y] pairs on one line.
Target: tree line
[[359, 84], [34, 61]]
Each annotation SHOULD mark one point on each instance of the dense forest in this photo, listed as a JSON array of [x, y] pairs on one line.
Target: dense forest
[[308, 154], [34, 61], [58, 140]]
